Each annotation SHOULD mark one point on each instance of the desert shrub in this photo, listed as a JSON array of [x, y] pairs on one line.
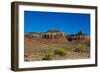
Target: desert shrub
[[60, 51], [80, 48], [47, 56], [77, 50]]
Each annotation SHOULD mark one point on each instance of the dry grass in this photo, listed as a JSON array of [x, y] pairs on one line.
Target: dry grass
[[36, 50]]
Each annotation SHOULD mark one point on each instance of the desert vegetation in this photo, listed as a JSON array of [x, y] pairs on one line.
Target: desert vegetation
[[37, 49], [56, 51]]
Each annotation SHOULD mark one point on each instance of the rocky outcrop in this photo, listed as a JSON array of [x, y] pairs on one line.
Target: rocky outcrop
[[55, 36]]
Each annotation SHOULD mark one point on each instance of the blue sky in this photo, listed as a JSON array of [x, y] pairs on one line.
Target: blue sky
[[69, 23]]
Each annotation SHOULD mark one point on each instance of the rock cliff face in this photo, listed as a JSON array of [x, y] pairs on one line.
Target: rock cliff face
[[51, 36], [55, 36]]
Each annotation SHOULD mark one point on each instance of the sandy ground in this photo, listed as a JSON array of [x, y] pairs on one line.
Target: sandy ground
[[35, 50]]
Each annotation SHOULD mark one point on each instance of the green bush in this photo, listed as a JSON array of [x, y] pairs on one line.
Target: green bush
[[80, 48], [60, 51], [47, 57]]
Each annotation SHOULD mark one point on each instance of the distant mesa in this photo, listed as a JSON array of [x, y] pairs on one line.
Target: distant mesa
[[56, 36], [80, 33]]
